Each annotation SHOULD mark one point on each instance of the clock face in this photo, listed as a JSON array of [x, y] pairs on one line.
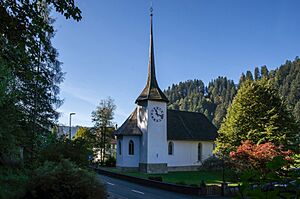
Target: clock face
[[157, 114]]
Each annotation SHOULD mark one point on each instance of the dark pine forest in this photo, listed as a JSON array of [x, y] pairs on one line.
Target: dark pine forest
[[213, 99]]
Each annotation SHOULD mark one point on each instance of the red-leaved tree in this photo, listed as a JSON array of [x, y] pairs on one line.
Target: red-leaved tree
[[249, 156]]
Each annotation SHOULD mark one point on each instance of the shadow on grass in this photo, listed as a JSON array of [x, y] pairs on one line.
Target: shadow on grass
[[192, 178]]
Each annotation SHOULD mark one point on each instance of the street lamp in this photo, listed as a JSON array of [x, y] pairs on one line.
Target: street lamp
[[70, 125]]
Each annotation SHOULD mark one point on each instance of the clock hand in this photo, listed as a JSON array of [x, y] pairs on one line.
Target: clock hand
[[160, 115], [156, 113]]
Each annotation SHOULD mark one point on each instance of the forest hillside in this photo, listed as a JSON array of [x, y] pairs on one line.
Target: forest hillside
[[213, 99]]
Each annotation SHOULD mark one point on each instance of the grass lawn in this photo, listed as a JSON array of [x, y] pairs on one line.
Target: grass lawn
[[183, 177]]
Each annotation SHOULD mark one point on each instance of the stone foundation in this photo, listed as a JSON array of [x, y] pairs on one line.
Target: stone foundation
[[128, 169], [184, 168], [158, 168], [153, 168]]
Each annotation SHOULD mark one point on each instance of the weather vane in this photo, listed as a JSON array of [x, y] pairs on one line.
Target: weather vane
[[151, 8]]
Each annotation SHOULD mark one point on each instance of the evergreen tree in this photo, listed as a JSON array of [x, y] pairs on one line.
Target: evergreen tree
[[193, 96], [287, 81], [297, 112], [29, 72], [257, 73], [242, 79], [214, 99], [249, 75], [264, 72]]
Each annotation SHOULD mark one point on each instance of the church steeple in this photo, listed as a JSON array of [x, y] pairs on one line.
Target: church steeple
[[152, 90]]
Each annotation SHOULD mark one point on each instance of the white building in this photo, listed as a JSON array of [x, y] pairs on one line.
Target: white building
[[154, 139], [65, 130]]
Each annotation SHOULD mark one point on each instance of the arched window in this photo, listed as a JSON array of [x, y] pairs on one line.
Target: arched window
[[131, 148], [120, 148], [200, 152], [170, 148]]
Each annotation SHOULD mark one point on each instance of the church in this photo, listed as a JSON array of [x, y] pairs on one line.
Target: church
[[155, 139]]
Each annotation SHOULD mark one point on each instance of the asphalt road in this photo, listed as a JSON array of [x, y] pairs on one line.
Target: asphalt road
[[120, 189]]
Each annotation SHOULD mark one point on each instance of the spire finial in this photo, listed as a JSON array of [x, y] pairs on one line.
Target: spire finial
[[151, 9]]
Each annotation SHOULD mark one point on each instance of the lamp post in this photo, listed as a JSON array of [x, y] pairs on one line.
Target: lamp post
[[70, 125]]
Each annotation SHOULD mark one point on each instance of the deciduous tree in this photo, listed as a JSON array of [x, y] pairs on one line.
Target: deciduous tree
[[259, 166], [257, 114], [249, 156], [103, 125]]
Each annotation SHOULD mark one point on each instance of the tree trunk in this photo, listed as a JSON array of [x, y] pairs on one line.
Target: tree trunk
[[104, 142]]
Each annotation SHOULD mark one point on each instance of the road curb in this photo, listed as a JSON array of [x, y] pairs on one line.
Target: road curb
[[156, 184]]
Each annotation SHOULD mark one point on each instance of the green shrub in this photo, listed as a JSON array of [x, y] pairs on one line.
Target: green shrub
[[212, 163], [12, 183], [76, 151], [64, 180], [110, 161]]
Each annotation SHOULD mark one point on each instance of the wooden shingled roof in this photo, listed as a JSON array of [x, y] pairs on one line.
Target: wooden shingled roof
[[181, 125], [129, 127]]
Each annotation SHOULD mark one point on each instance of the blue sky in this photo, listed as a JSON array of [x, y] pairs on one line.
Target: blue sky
[[106, 54]]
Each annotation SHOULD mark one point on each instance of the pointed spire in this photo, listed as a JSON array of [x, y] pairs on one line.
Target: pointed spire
[[152, 90], [151, 65]]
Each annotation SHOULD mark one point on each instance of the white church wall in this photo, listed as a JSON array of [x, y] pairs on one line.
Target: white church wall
[[126, 160], [119, 159], [157, 135], [185, 153], [142, 118]]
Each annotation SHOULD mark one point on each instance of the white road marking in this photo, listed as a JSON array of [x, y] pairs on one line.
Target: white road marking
[[110, 183], [137, 191]]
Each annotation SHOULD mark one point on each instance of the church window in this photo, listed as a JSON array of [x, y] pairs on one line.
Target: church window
[[171, 148], [200, 152], [120, 148], [131, 148]]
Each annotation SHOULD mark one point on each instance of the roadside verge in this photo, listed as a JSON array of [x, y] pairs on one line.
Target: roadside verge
[[162, 185]]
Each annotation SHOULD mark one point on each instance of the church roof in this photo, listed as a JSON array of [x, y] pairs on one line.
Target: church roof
[[181, 125], [152, 90], [129, 127]]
